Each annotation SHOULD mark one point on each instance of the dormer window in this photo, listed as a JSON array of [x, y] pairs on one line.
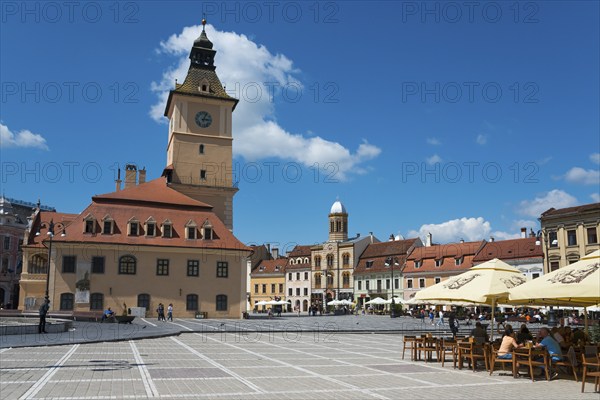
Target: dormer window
[[439, 262], [261, 268], [167, 229], [89, 224], [190, 230], [369, 264], [150, 227], [458, 261], [133, 228], [204, 86], [418, 264], [107, 225], [277, 268]]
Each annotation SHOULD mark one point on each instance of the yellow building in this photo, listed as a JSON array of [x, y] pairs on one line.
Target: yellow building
[[164, 241], [267, 282]]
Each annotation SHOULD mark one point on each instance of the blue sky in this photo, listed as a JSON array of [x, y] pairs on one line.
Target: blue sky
[[421, 117]]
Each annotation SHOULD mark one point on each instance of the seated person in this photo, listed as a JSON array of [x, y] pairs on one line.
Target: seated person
[[578, 336], [524, 334], [556, 335], [108, 313], [508, 344], [479, 333], [551, 346]]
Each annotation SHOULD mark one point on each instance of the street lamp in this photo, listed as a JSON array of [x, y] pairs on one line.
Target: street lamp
[[545, 236], [50, 233], [391, 262]]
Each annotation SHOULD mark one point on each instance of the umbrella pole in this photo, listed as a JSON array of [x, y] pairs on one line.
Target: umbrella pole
[[585, 318], [493, 317]]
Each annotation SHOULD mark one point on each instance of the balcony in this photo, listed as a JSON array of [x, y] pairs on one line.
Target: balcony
[[33, 277]]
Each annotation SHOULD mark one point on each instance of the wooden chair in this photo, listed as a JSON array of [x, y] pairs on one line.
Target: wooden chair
[[493, 353], [532, 357], [565, 362], [472, 352], [591, 363], [429, 346], [409, 343], [449, 347]]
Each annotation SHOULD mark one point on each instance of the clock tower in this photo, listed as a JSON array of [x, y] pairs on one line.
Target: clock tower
[[199, 152]]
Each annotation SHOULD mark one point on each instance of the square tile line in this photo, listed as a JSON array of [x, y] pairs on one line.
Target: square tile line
[[361, 390], [149, 386]]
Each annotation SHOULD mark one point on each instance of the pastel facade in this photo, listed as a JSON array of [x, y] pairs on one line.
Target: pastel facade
[[298, 278]]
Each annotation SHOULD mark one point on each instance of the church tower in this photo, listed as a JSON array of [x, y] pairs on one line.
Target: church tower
[[338, 222], [199, 150]]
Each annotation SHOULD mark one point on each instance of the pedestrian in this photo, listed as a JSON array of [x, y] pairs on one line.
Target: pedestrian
[[161, 312], [453, 322], [170, 312], [431, 316], [440, 318], [43, 312]]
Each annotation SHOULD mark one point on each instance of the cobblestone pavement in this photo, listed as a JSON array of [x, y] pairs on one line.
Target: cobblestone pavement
[[255, 365]]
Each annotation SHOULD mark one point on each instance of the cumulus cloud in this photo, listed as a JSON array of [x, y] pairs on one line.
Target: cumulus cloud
[[254, 75], [433, 159], [22, 138], [434, 141], [469, 229], [595, 197], [553, 199], [481, 139], [595, 158], [583, 176]]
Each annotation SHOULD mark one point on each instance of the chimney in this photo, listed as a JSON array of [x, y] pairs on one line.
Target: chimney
[[130, 175], [428, 240], [275, 253], [492, 239], [118, 181], [462, 240], [371, 236], [531, 233], [391, 237], [268, 245], [358, 235], [523, 233], [142, 178]]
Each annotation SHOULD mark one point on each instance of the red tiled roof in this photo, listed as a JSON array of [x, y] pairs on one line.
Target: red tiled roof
[[290, 266], [510, 250], [378, 253], [448, 253], [300, 251], [121, 210], [553, 212], [155, 192], [270, 267]]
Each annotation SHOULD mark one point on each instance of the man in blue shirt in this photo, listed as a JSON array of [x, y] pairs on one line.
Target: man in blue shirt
[[551, 346]]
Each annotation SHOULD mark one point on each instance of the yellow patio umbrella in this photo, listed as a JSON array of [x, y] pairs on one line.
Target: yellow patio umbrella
[[577, 284], [486, 283]]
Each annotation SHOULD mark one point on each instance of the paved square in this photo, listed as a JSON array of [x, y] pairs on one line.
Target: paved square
[[268, 366]]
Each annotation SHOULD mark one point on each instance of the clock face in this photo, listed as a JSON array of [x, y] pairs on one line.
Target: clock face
[[203, 119]]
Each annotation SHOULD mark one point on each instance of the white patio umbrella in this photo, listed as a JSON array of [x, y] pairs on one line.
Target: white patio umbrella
[[376, 301], [577, 284], [486, 283], [261, 303], [334, 303], [397, 300], [346, 302]]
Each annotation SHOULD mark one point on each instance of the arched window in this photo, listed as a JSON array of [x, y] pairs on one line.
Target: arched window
[[331, 225], [330, 260], [144, 301], [346, 259], [191, 302], [201, 149], [38, 264], [346, 280], [318, 261], [66, 301], [127, 265], [330, 280], [221, 302], [318, 281], [96, 301]]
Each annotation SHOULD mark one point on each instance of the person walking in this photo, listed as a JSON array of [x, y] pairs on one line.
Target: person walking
[[170, 312], [453, 322], [440, 318], [161, 312], [431, 316], [43, 312]]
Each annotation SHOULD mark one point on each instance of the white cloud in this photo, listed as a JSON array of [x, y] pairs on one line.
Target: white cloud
[[553, 199], [595, 158], [469, 229], [22, 138], [434, 141], [481, 139], [583, 176], [433, 159], [595, 197], [249, 72]]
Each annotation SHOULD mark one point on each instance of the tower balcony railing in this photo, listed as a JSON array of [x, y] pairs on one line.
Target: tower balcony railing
[[210, 181]]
